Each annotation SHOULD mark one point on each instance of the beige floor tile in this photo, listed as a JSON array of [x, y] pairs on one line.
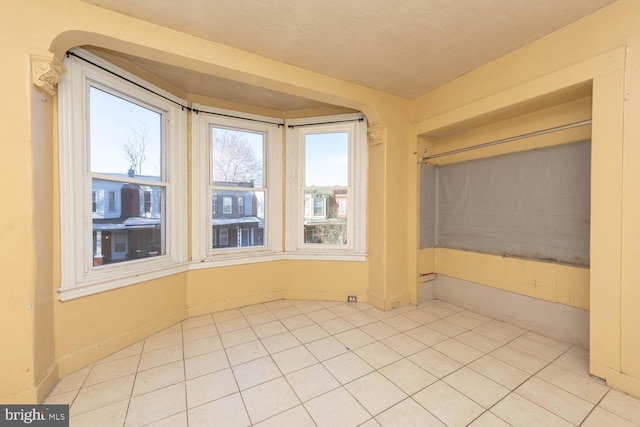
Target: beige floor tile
[[253, 309], [132, 350], [199, 332], [280, 342], [479, 342], [322, 315], [326, 348], [310, 333], [377, 354], [422, 317], [354, 338], [405, 309], [294, 359], [261, 318], [347, 367], [499, 371], [603, 418], [447, 328], [205, 364], [156, 405], [536, 348], [65, 398], [404, 344], [309, 307], [344, 310], [378, 314], [458, 351], [269, 329], [586, 388], [103, 394], [408, 413], [488, 420], [294, 417], [237, 337], [426, 335], [72, 381], [499, 331], [231, 325], [573, 363], [359, 319], [176, 420], [335, 326], [336, 408], [435, 362], [623, 405], [274, 305], [370, 423], [556, 400], [156, 342], [401, 323], [210, 387], [297, 322], [520, 412], [284, 312], [195, 322], [228, 411], [451, 407], [379, 330], [468, 319], [153, 359], [223, 316], [518, 359], [256, 372], [440, 310], [408, 376], [375, 392], [269, 399], [196, 348], [476, 387], [246, 352], [110, 415], [159, 377], [111, 370], [311, 382]]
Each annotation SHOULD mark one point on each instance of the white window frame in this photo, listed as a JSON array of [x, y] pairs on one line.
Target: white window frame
[[203, 254], [79, 277], [355, 249]]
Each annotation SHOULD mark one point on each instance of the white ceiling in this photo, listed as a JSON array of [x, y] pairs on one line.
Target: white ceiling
[[403, 47]]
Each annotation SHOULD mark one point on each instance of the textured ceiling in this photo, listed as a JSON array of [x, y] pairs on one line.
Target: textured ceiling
[[406, 48]]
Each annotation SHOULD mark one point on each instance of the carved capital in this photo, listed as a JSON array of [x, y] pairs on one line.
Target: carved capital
[[377, 134], [46, 70]]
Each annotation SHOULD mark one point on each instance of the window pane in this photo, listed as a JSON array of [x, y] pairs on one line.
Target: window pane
[[324, 219], [326, 162], [125, 138], [134, 229], [242, 224], [237, 158]]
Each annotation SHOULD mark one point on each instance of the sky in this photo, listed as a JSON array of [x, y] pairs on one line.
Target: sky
[[112, 119]]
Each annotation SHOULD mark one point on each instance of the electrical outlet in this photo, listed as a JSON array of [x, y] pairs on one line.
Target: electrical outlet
[[352, 298]]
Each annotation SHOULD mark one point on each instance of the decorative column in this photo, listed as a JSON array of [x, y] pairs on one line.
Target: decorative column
[[46, 70]]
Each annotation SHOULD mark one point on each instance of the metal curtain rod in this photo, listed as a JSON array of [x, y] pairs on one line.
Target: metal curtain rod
[[513, 138]]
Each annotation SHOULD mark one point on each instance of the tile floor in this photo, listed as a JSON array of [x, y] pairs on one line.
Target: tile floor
[[316, 363]]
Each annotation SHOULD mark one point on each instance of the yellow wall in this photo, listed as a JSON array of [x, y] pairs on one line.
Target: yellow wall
[[47, 338], [600, 52], [51, 338]]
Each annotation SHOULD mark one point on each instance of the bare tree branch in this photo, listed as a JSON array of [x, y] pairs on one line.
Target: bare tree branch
[[136, 145]]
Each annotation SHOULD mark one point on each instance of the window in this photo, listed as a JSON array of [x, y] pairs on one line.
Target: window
[[112, 201], [224, 237], [328, 171], [240, 166], [226, 205], [120, 140]]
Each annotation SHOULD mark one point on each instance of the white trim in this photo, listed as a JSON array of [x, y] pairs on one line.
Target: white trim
[[201, 199], [79, 276], [356, 187]]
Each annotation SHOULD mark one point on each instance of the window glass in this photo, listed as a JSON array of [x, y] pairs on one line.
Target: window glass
[[237, 157], [326, 161], [124, 149]]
